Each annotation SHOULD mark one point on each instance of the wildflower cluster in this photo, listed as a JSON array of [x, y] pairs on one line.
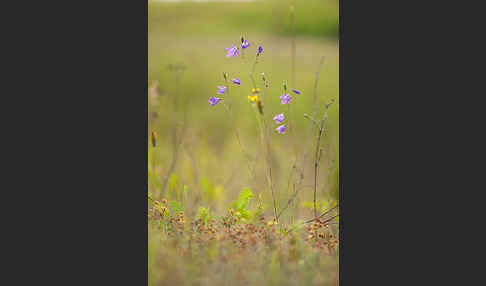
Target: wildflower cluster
[[319, 236], [285, 99], [203, 232], [253, 98], [235, 229], [222, 90]]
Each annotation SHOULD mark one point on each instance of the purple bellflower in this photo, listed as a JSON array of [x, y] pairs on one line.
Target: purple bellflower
[[221, 90], [213, 101], [232, 51], [236, 81], [281, 129], [260, 49], [245, 44], [279, 118], [296, 91], [285, 98]]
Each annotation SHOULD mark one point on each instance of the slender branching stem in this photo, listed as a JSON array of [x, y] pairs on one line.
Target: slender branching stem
[[311, 127], [325, 221], [317, 155], [296, 186], [323, 214], [263, 137]]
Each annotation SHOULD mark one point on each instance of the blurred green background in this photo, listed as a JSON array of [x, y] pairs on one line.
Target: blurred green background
[[209, 159]]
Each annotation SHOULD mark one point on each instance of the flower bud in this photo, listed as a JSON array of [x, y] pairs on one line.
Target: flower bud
[[154, 139], [260, 106]]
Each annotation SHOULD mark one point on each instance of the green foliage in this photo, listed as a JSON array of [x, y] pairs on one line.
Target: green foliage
[[244, 197], [240, 205], [243, 200], [204, 215]]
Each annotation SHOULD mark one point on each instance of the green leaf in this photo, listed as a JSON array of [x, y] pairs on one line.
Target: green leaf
[[244, 198], [245, 195], [245, 214]]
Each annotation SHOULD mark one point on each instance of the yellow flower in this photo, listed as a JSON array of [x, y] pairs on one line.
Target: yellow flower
[[255, 90], [253, 98]]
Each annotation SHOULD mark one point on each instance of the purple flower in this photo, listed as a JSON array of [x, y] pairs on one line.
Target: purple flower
[[221, 90], [232, 51], [285, 98], [213, 101], [296, 91], [281, 129], [236, 81], [245, 44], [260, 49], [279, 118]]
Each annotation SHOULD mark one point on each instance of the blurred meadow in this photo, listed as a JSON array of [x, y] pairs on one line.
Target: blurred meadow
[[197, 164]]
